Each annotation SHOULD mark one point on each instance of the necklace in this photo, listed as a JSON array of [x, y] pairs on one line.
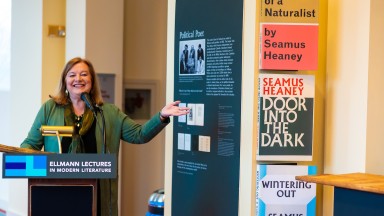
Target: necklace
[[78, 121]]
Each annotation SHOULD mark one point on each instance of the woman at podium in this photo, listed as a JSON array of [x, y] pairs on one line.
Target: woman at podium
[[78, 103]]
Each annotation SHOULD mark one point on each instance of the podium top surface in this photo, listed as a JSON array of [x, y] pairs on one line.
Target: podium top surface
[[12, 149], [356, 181]]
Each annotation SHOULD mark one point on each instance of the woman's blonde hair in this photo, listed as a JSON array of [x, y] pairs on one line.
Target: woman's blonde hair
[[62, 98]]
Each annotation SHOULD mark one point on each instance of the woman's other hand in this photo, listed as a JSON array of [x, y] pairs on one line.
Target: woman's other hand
[[173, 109]]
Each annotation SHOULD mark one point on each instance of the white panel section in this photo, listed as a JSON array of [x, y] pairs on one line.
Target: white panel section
[[247, 147], [26, 58], [5, 138], [5, 38], [5, 85], [75, 28], [169, 97], [26, 67]]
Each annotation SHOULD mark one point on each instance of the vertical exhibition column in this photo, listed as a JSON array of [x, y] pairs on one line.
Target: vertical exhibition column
[[288, 54]]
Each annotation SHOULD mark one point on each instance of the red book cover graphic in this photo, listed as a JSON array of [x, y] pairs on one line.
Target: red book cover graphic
[[288, 46]]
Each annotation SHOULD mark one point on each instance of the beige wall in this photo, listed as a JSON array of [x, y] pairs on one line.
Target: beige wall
[[145, 45], [354, 90], [347, 86], [375, 116], [53, 47]]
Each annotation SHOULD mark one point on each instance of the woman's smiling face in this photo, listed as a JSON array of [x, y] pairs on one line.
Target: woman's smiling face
[[78, 80]]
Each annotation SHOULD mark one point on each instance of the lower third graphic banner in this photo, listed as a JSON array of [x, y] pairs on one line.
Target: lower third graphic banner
[[59, 166]]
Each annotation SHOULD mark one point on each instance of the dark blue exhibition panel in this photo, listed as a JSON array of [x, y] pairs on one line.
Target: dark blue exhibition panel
[[355, 194], [207, 79], [349, 202]]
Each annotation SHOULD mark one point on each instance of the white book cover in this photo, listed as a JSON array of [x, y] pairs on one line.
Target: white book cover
[[180, 141], [187, 142], [278, 193], [199, 115]]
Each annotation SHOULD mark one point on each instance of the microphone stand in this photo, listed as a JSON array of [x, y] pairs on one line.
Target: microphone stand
[[86, 99], [104, 150]]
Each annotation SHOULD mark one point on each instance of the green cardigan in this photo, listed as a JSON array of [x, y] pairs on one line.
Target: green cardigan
[[118, 127]]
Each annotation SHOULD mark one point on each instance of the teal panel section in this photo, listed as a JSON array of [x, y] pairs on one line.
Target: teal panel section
[[312, 170], [36, 172], [261, 208], [15, 172], [29, 164], [311, 207], [263, 171]]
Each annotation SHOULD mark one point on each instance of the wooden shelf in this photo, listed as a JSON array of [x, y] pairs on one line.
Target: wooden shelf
[[356, 181]]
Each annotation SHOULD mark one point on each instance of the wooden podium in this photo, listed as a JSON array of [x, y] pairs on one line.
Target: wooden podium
[[58, 196], [355, 194]]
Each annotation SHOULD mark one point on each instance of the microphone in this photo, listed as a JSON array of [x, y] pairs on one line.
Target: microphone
[[87, 99]]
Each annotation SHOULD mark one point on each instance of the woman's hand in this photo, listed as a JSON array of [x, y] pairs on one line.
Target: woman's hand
[[173, 109]]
